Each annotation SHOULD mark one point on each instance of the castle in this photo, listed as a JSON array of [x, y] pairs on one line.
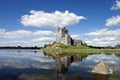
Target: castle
[[62, 36]]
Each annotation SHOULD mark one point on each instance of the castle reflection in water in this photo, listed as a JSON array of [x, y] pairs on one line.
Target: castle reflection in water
[[70, 68], [63, 63]]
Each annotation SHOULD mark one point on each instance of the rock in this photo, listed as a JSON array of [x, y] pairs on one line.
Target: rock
[[102, 68], [102, 76]]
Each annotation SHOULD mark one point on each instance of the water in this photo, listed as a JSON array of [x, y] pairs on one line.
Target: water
[[21, 64]]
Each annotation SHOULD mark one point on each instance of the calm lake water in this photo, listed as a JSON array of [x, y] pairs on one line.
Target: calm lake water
[[34, 65]]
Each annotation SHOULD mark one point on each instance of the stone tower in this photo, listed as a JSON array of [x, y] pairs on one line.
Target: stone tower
[[62, 36]]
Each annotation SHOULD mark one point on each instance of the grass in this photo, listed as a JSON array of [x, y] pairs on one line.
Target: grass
[[70, 51], [80, 52], [75, 50], [78, 47]]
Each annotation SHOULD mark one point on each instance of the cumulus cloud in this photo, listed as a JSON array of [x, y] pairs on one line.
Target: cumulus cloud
[[54, 19], [44, 39], [103, 37], [114, 21], [24, 43], [26, 37], [13, 34], [24, 33], [104, 32], [75, 36], [37, 60], [100, 43], [43, 33], [110, 59], [116, 5]]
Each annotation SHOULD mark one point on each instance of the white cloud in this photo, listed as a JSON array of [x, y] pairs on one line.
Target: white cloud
[[104, 32], [114, 21], [17, 34], [103, 37], [116, 5], [44, 39], [28, 42], [54, 19], [14, 61], [14, 34], [100, 43], [43, 33], [75, 36], [24, 33], [110, 59], [26, 38]]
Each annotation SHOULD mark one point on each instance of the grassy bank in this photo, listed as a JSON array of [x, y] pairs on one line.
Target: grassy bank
[[57, 53], [70, 51], [59, 48]]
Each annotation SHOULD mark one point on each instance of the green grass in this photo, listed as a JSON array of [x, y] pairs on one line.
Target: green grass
[[78, 47], [80, 52], [75, 50], [68, 50]]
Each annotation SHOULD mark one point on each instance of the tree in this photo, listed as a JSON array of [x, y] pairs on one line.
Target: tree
[[45, 45]]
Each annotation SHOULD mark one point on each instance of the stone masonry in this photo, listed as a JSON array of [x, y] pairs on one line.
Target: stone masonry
[[62, 36]]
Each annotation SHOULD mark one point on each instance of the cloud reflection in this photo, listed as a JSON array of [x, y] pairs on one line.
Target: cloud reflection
[[91, 60], [25, 59]]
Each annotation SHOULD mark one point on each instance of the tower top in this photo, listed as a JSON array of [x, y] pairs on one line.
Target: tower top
[[62, 29]]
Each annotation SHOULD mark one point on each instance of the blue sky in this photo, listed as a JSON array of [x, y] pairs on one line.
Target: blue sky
[[33, 23]]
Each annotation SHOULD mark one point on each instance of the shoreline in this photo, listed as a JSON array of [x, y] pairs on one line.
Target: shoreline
[[80, 51]]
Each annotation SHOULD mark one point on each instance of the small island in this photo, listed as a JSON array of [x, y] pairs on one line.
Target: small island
[[65, 44]]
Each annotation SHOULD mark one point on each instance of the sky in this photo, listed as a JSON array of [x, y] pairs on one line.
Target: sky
[[34, 22]]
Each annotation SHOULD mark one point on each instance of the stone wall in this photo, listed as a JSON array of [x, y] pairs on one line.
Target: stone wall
[[77, 42], [62, 36]]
